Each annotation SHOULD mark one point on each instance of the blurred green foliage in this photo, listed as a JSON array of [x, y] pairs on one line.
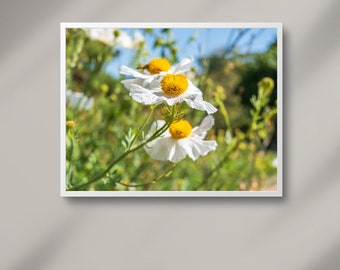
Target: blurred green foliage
[[242, 87]]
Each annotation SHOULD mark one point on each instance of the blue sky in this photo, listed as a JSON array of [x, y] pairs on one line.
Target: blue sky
[[208, 41]]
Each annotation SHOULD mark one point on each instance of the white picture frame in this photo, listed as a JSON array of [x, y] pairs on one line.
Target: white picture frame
[[275, 193]]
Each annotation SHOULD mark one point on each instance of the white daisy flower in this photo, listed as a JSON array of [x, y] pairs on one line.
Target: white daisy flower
[[125, 41], [165, 83], [180, 140], [171, 89], [78, 100], [104, 35], [116, 37], [138, 40], [155, 68]]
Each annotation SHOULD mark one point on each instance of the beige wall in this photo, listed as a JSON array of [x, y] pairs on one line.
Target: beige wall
[[40, 230]]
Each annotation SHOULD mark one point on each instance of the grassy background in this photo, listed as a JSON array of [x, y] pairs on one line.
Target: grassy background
[[246, 136]]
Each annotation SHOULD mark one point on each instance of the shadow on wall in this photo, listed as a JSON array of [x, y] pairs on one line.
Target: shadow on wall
[[324, 37], [330, 259], [41, 253]]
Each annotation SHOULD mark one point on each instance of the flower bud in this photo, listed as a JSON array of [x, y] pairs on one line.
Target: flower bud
[[267, 85], [70, 124]]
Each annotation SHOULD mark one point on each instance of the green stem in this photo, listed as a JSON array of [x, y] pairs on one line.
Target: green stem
[[122, 156], [153, 181], [219, 164], [69, 155], [142, 126], [224, 113], [70, 161]]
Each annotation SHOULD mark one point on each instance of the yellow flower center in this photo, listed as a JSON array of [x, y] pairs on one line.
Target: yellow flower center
[[180, 129], [174, 84], [157, 65]]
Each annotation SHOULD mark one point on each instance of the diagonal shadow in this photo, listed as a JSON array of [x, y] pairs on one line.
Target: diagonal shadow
[[320, 42], [330, 259], [329, 168], [40, 44], [45, 249], [12, 29]]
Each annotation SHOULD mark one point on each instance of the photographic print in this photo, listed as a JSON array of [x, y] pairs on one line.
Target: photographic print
[[171, 109]]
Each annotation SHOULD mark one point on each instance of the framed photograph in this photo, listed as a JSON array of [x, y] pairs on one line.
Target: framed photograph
[[171, 109]]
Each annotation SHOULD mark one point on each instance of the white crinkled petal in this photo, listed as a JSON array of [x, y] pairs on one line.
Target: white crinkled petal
[[194, 99], [196, 147], [187, 146], [131, 72], [206, 124], [192, 90], [149, 83], [170, 100], [182, 66], [152, 83], [165, 148], [144, 96], [210, 109], [155, 125], [128, 82], [199, 104], [178, 154]]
